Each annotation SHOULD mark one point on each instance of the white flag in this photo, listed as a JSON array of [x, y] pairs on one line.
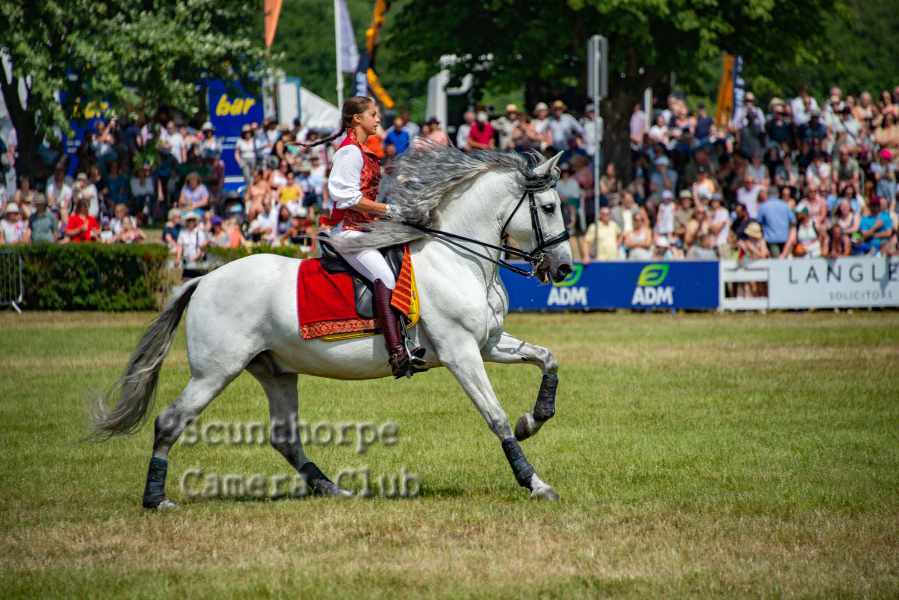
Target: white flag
[[349, 53]]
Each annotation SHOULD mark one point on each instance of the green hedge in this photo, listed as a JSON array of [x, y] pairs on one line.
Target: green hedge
[[112, 277], [229, 254]]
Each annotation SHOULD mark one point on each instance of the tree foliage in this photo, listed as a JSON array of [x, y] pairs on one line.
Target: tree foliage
[[543, 44], [305, 41], [133, 54]]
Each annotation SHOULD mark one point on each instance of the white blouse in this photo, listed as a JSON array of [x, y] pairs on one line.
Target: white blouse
[[346, 175]]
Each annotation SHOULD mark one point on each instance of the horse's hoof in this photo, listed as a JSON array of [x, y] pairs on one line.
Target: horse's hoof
[[527, 426], [330, 489], [545, 493], [162, 505]]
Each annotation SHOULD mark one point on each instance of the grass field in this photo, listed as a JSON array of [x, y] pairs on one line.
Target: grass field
[[696, 455]]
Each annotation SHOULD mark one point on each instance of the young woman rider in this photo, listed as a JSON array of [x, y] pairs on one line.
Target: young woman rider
[[353, 187]]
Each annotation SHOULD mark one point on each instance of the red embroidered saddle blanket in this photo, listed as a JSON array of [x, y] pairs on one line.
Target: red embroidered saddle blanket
[[326, 302]]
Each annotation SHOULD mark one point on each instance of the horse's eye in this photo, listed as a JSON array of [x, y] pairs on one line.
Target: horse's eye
[[549, 208]]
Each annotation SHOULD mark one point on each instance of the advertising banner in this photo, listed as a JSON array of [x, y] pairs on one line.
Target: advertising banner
[[230, 108], [624, 284], [841, 283]]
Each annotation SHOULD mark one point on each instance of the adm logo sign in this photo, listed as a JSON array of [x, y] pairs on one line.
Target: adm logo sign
[[567, 292], [649, 290]]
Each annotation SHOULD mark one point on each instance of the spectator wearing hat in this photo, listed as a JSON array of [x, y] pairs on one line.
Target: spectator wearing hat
[[665, 217], [776, 220], [12, 228], [480, 136], [748, 124], [564, 128], [541, 125], [397, 136], [218, 237], [87, 191], [42, 224], [505, 125], [211, 146], [754, 247], [192, 240], [82, 226], [245, 154]]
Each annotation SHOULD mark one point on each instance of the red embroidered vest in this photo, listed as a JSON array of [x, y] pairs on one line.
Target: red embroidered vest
[[370, 179]]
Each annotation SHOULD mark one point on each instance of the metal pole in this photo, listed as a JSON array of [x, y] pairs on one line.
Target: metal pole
[[597, 159], [337, 45]]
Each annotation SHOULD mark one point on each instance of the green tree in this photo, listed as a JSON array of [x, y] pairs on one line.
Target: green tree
[[133, 54], [542, 45], [305, 41]]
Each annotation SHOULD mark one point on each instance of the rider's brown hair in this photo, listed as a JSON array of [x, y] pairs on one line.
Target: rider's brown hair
[[351, 107]]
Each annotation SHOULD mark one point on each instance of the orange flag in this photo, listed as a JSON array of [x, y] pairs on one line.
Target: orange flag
[[272, 12], [725, 105]]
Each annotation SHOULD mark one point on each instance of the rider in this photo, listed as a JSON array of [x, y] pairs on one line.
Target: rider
[[353, 187]]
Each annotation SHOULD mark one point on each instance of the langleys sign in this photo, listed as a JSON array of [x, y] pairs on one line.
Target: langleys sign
[[840, 283]]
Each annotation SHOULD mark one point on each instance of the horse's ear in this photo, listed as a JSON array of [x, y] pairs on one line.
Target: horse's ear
[[547, 166]]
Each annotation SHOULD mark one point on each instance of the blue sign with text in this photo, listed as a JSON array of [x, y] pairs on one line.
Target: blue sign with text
[[230, 108], [624, 284]]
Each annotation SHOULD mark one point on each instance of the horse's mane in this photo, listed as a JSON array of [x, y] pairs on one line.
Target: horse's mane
[[421, 180]]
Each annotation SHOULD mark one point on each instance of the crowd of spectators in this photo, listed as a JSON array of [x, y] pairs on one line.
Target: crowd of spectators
[[796, 179]]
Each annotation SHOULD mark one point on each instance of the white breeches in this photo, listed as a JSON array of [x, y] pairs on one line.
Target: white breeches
[[370, 263]]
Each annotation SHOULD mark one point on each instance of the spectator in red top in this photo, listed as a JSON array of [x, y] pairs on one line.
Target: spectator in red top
[[82, 227], [480, 137]]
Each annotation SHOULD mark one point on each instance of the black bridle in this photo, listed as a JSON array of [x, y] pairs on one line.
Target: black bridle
[[533, 184]]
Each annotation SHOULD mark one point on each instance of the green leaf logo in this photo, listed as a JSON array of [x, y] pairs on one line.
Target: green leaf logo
[[573, 277], [653, 275]]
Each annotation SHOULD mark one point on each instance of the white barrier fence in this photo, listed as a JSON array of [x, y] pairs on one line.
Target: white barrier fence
[[851, 282], [11, 287]]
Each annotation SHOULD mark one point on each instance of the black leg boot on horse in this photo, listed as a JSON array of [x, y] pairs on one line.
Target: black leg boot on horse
[[402, 361]]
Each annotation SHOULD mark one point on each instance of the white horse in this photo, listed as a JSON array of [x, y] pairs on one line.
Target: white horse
[[243, 315]]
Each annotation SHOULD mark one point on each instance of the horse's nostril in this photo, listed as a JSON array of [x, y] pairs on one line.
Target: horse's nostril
[[564, 270]]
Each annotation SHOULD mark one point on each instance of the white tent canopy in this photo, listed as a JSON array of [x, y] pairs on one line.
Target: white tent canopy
[[318, 113]]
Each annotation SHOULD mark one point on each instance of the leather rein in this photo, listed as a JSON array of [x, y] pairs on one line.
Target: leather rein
[[533, 184]]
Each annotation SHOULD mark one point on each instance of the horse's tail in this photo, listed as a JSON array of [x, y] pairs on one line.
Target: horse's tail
[[135, 390]]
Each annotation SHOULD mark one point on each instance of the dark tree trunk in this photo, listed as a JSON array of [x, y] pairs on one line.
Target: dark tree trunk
[[24, 122]]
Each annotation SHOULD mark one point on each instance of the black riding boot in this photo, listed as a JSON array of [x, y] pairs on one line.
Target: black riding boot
[[389, 323]]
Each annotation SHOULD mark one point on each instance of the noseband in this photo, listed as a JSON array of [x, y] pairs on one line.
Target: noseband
[[533, 184]]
